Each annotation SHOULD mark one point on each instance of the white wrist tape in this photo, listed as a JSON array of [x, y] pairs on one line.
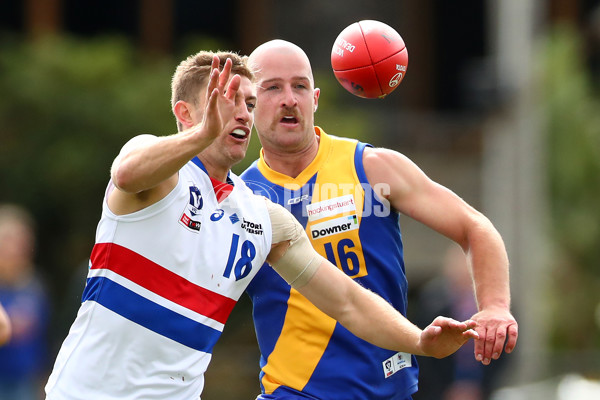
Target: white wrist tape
[[300, 261]]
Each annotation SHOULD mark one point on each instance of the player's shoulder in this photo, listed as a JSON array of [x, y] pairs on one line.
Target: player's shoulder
[[381, 157], [382, 165], [138, 141], [251, 170]]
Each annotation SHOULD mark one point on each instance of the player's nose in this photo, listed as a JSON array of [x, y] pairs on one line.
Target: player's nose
[[288, 98]]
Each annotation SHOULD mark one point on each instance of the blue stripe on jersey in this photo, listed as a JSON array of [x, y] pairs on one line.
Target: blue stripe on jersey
[[150, 315], [384, 224], [358, 164]]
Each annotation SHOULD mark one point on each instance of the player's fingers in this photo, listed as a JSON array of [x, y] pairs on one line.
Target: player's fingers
[[480, 343], [232, 87], [212, 82], [224, 76], [470, 324], [490, 341], [212, 101], [431, 331], [499, 342], [446, 322], [215, 63], [512, 335], [470, 334]]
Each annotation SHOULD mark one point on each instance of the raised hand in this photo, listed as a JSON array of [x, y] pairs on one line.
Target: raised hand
[[220, 99], [495, 327], [444, 336]]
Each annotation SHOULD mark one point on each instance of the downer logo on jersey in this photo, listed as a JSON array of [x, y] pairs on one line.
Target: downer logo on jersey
[[336, 225]]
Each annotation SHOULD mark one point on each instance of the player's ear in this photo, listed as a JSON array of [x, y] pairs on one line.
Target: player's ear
[[316, 94], [183, 113]]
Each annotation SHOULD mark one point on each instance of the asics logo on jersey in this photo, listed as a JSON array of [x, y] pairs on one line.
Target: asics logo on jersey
[[234, 218], [217, 215]]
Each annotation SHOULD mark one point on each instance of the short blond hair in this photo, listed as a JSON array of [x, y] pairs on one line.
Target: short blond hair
[[192, 73]]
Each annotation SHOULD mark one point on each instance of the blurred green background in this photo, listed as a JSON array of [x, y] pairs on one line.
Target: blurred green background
[[500, 103]]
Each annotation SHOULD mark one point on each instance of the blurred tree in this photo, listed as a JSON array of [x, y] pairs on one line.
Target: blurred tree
[[67, 106], [574, 168]]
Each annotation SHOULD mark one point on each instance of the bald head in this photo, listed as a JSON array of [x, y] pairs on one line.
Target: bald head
[[286, 99], [283, 52]]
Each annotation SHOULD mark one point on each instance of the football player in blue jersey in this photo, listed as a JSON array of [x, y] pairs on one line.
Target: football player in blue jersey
[[349, 196]]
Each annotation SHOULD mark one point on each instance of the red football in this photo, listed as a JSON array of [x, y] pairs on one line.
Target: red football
[[369, 59]]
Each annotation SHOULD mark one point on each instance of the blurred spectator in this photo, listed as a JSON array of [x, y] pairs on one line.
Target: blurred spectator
[[23, 360], [460, 376]]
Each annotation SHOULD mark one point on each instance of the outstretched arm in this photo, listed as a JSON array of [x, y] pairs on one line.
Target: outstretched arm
[[361, 311], [371, 318], [411, 192]]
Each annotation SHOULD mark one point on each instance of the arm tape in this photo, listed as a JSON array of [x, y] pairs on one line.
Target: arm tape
[[300, 261]]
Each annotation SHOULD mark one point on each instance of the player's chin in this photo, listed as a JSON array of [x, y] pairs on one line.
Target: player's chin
[[238, 153]]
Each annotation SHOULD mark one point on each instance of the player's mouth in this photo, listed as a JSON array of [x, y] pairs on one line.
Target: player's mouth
[[240, 133], [289, 120]]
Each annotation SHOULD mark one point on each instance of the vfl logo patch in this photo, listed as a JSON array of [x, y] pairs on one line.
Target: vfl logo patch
[[196, 201], [395, 363], [334, 226], [192, 209]]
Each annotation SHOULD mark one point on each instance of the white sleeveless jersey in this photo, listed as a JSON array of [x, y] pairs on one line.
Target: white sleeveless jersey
[[161, 284]]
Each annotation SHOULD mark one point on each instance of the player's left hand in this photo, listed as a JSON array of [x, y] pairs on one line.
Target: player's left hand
[[495, 327], [444, 336]]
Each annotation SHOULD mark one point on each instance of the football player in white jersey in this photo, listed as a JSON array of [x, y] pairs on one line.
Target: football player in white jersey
[[180, 238]]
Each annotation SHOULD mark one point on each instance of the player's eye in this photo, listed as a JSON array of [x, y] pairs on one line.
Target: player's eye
[[251, 106]]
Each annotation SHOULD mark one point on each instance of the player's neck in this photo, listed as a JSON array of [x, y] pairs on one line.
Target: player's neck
[[213, 169], [291, 163]]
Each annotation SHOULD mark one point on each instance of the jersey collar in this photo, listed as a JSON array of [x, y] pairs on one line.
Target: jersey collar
[[199, 164], [312, 168]]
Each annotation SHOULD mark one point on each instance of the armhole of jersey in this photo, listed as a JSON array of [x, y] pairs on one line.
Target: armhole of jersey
[[358, 162], [144, 212], [362, 175]]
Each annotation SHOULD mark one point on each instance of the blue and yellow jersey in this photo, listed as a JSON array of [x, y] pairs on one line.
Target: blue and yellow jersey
[[302, 349]]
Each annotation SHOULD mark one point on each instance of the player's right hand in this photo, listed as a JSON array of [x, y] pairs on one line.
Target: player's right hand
[[444, 336]]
